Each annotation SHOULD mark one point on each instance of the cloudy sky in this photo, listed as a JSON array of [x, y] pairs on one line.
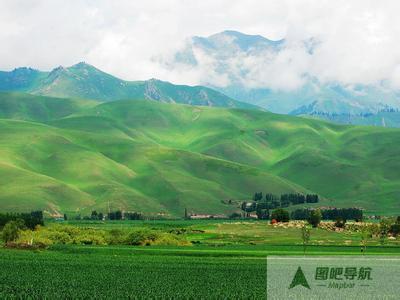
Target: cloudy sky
[[358, 40]]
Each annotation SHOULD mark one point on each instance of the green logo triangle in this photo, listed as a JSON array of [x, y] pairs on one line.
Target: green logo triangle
[[299, 279]]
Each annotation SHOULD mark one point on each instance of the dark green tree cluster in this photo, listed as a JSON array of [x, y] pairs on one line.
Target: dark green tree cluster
[[395, 228], [261, 209], [31, 220], [285, 200], [312, 198], [262, 213], [330, 214], [352, 213], [96, 215], [272, 201], [115, 215], [300, 214], [133, 216], [293, 199], [280, 215], [258, 196]]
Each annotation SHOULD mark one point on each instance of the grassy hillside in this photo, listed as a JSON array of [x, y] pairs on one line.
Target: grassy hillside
[[21, 106], [152, 157]]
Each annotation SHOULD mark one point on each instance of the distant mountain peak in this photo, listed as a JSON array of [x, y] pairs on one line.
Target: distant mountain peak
[[82, 65], [24, 70], [59, 68], [244, 36], [228, 38]]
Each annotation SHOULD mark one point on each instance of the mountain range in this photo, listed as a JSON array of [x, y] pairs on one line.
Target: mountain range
[[85, 81], [75, 155], [240, 61], [360, 105]]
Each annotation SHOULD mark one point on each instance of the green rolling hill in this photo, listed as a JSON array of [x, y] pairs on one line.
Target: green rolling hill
[[67, 155], [85, 81]]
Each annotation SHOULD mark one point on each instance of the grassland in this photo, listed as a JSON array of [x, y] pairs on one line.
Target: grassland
[[152, 157], [250, 235]]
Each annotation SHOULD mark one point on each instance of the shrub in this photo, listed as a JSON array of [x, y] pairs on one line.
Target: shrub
[[315, 217], [235, 215], [395, 229], [31, 240], [141, 237], [116, 237], [280, 215], [11, 230], [167, 239], [340, 223], [90, 236]]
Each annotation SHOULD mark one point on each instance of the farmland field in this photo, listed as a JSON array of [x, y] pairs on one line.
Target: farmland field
[[229, 262], [83, 272], [122, 273]]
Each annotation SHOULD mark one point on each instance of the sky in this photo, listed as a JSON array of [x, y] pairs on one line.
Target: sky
[[358, 41]]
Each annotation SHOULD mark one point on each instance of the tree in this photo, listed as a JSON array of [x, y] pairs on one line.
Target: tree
[[100, 216], [262, 214], [11, 230], [340, 222], [94, 215], [365, 234], [258, 196], [115, 215], [315, 217], [305, 236], [65, 217], [280, 215], [310, 198], [35, 218], [384, 228]]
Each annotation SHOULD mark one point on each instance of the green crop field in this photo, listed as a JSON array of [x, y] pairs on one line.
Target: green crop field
[[116, 274], [83, 272]]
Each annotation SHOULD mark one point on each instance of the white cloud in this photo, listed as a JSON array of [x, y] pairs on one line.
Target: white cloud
[[358, 39]]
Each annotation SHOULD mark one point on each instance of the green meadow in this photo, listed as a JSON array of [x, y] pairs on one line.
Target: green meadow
[[70, 155]]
